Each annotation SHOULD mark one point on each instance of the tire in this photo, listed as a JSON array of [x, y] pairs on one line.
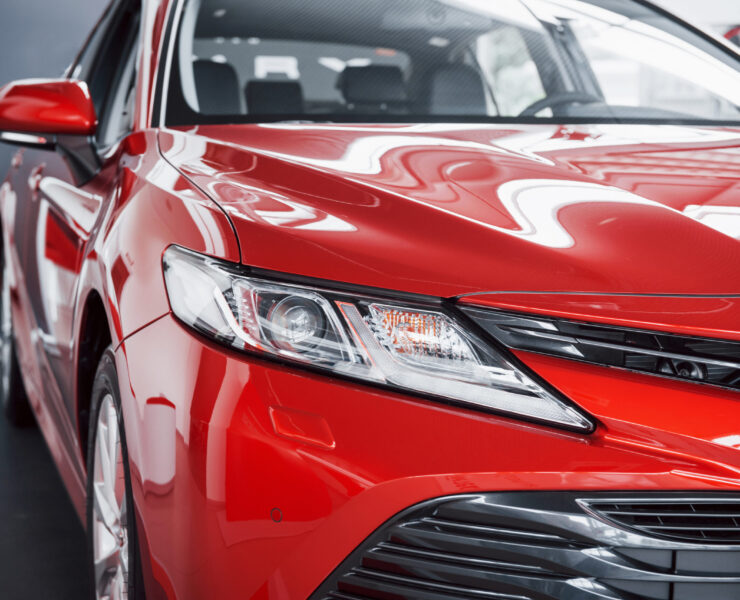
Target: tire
[[113, 551], [12, 393]]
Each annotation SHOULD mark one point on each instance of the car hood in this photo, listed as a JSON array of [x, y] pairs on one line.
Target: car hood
[[451, 210]]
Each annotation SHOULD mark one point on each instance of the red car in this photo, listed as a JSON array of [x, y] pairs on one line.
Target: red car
[[391, 299]]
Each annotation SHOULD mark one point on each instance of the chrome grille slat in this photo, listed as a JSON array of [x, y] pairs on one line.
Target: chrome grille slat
[[548, 546], [699, 360], [673, 514], [495, 531], [629, 349], [342, 596], [370, 574], [689, 528], [687, 520], [461, 559]]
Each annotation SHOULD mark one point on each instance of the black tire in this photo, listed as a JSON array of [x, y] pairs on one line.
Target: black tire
[[12, 392], [105, 385]]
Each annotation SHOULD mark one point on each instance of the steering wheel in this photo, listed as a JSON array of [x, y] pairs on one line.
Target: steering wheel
[[560, 99]]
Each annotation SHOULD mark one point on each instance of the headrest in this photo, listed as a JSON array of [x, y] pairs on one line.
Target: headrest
[[274, 97], [217, 86], [375, 84], [456, 90]]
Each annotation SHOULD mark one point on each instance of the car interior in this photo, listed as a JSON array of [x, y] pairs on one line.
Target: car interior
[[433, 59], [399, 59], [447, 89]]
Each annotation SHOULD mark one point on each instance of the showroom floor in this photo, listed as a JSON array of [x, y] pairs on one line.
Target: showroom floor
[[42, 544]]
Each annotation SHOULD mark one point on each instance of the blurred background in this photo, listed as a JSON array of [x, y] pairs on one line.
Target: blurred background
[[719, 16], [39, 38]]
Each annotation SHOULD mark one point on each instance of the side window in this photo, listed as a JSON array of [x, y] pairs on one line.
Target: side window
[[83, 64], [116, 119], [108, 65], [509, 67]]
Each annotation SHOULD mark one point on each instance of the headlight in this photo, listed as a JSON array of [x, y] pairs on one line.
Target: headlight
[[418, 347]]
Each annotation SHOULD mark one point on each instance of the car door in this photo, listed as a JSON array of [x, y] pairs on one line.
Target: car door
[[59, 198]]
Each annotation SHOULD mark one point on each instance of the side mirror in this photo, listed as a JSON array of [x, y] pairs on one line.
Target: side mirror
[[734, 35], [54, 114], [53, 106]]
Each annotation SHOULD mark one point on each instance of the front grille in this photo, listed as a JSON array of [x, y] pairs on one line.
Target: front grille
[[544, 546], [700, 360], [700, 520]]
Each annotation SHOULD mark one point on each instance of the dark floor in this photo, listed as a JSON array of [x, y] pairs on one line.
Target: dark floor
[[42, 544]]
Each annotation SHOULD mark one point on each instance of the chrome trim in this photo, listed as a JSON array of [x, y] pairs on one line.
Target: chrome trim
[[24, 139], [685, 358], [622, 347], [525, 545], [595, 294], [590, 506]]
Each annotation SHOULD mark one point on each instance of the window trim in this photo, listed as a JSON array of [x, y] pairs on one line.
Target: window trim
[[164, 75], [101, 32], [132, 51]]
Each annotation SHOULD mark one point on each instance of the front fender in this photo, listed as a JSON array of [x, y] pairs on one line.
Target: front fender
[[153, 208]]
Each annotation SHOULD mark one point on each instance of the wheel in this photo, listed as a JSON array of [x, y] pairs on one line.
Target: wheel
[[115, 566], [12, 393]]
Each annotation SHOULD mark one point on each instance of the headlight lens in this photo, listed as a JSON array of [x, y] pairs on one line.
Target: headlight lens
[[418, 348]]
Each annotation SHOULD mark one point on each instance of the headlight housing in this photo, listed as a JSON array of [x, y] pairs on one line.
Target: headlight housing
[[417, 346]]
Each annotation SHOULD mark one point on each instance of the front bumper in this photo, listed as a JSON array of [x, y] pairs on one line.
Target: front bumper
[[255, 480]]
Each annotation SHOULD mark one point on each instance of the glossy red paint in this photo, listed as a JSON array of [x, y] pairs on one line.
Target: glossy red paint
[[589, 209], [229, 466], [47, 106], [630, 225], [734, 34]]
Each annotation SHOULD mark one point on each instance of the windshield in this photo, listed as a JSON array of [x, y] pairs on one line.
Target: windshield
[[444, 60]]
